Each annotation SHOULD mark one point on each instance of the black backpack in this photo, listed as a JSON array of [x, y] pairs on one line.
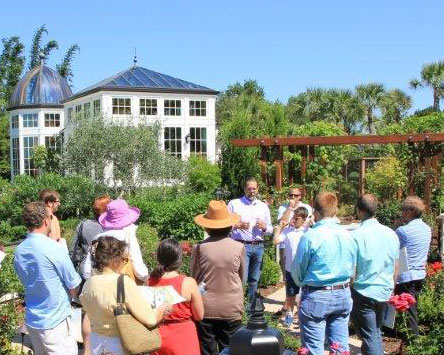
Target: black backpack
[[77, 253]]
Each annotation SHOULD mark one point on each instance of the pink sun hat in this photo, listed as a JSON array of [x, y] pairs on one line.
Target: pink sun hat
[[118, 215]]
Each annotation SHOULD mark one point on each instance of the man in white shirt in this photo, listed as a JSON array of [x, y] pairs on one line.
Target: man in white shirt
[[255, 223]]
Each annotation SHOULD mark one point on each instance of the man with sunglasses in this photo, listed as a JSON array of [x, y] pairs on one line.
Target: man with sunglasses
[[285, 214], [51, 199]]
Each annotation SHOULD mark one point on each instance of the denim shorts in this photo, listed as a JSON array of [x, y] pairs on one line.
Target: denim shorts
[[291, 289]]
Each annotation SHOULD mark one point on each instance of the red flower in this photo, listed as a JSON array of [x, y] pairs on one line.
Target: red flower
[[402, 302], [302, 351], [436, 266], [335, 346], [186, 248]]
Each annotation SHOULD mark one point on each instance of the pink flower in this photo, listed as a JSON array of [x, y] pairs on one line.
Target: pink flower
[[186, 248], [302, 351], [436, 266], [345, 353], [402, 302], [335, 346]]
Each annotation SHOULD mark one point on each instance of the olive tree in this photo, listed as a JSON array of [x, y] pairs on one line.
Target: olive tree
[[121, 154]]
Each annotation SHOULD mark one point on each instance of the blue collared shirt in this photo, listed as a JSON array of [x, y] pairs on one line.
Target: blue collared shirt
[[250, 211], [378, 250], [416, 237], [326, 256], [46, 272]]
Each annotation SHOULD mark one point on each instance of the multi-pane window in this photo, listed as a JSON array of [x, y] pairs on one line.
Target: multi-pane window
[[198, 108], [96, 107], [87, 110], [52, 143], [29, 143], [52, 120], [14, 121], [121, 106], [78, 110], [172, 139], [148, 107], [172, 107], [70, 114], [30, 120], [15, 143], [198, 140]]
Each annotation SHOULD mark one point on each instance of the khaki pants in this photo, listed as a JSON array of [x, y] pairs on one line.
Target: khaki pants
[[58, 340]]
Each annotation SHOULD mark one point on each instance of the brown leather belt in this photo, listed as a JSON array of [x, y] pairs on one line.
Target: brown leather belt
[[328, 288], [250, 241]]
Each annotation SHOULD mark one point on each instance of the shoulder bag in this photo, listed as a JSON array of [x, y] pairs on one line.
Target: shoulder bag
[[136, 337]]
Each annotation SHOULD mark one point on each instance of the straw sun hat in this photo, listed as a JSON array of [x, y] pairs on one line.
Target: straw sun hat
[[217, 216]]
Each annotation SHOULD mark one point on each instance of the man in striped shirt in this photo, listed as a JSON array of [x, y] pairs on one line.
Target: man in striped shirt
[[415, 235]]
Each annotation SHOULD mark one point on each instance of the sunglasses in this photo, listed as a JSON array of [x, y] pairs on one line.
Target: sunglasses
[[294, 195]]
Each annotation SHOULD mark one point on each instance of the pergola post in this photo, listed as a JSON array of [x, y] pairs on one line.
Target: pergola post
[[291, 166], [411, 172], [279, 163], [362, 166], [428, 176], [303, 168], [263, 164]]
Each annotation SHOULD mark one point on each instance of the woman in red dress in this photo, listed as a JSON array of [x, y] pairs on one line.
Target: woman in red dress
[[178, 330]]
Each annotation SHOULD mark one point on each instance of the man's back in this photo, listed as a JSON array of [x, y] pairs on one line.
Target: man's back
[[44, 268], [378, 250]]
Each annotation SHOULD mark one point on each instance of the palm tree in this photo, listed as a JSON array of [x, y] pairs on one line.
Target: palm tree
[[432, 75], [64, 68], [37, 49], [394, 105], [345, 108], [370, 95]]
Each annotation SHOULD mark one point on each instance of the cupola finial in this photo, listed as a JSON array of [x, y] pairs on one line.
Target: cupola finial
[[135, 57]]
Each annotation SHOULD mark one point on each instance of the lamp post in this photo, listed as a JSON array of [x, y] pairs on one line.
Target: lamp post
[[220, 194], [256, 338]]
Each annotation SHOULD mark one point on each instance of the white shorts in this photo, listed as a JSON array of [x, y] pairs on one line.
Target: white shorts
[[58, 340]]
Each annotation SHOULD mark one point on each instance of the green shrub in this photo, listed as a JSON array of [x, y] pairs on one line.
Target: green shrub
[[9, 282], [9, 321], [202, 175], [386, 178], [174, 218], [388, 212], [270, 271], [67, 228], [148, 240], [10, 234]]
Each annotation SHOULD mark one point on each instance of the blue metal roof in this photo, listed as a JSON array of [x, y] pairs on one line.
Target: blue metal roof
[[41, 86], [140, 79]]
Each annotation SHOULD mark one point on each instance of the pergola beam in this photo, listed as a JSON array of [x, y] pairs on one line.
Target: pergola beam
[[338, 140]]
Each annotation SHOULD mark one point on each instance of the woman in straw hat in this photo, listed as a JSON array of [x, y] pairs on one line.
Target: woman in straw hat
[[218, 263]]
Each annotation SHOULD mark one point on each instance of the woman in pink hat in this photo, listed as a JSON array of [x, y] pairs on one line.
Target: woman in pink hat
[[118, 222]]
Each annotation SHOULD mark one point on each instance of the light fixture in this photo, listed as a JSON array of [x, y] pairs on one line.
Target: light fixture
[[187, 138]]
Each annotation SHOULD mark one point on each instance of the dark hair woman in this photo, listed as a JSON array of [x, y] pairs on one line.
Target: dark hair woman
[[99, 296], [178, 327]]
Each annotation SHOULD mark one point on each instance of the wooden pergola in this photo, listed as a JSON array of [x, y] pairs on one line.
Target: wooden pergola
[[427, 145]]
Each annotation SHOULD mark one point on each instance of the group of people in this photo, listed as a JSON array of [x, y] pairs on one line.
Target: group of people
[[337, 273]]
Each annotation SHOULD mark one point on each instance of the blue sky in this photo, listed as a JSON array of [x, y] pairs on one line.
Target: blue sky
[[286, 46]]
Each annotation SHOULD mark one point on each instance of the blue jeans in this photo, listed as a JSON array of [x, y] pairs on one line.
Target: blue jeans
[[324, 312], [367, 317], [253, 266]]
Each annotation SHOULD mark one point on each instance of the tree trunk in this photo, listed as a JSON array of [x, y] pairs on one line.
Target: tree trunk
[[371, 126], [435, 100]]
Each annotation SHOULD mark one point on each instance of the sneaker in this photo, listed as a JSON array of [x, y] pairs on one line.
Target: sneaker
[[279, 313], [288, 322]]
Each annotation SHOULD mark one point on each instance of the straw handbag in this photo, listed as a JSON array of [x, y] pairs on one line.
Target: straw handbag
[[136, 337]]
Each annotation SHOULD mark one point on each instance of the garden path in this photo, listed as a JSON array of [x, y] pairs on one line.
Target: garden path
[[274, 302]]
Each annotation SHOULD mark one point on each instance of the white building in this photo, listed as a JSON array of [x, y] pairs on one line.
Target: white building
[[42, 100]]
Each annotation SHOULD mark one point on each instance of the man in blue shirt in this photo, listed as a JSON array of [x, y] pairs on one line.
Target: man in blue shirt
[[378, 251], [415, 236], [254, 224], [324, 262], [49, 279]]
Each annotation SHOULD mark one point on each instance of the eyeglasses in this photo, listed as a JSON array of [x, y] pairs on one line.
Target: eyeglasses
[[294, 195]]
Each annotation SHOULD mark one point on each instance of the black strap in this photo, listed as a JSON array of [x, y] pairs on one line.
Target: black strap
[[120, 289]]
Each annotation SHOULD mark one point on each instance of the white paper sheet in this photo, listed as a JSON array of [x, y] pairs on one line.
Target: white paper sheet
[[403, 261], [158, 295]]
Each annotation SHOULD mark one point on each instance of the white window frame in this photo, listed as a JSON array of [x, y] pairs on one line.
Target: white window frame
[[120, 105], [52, 119], [15, 155], [173, 142], [30, 117], [27, 155], [87, 110], [51, 143], [96, 107], [198, 142], [198, 111], [174, 110], [14, 121], [148, 110]]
